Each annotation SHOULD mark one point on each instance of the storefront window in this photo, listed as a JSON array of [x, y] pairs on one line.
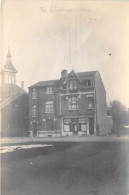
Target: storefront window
[[82, 124], [67, 125], [83, 127]]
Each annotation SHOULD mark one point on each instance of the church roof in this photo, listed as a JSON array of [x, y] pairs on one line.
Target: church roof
[[11, 92]]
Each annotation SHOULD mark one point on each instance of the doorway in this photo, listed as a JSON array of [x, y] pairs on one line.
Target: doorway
[[34, 129], [91, 126], [75, 128]]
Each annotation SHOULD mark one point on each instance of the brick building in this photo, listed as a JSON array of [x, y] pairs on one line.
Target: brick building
[[73, 105], [14, 103]]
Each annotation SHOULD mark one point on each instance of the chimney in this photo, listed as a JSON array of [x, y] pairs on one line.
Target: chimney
[[22, 84], [63, 73]]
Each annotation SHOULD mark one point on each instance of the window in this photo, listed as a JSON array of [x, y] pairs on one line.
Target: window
[[67, 125], [33, 93], [73, 103], [72, 85], [83, 127], [49, 106], [34, 110], [87, 83], [82, 124], [49, 90], [90, 102]]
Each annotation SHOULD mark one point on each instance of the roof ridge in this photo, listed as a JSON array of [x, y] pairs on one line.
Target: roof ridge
[[44, 82], [87, 72]]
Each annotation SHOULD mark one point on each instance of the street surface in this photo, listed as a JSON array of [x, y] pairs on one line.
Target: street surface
[[16, 140], [67, 168]]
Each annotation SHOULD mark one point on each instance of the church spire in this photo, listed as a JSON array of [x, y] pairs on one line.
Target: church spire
[[8, 54], [9, 66], [9, 71]]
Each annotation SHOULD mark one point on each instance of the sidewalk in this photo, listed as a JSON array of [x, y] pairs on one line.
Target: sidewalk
[[17, 140]]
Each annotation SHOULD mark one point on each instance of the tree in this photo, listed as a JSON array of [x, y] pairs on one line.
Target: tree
[[118, 114]]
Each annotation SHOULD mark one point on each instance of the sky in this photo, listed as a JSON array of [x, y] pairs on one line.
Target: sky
[[47, 36]]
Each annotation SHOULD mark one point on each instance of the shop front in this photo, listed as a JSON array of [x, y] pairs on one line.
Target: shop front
[[78, 126]]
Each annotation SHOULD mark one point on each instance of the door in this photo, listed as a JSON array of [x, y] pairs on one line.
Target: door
[[91, 126], [34, 129], [75, 130], [49, 124]]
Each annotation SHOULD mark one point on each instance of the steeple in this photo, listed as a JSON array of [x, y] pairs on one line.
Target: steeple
[[8, 54], [9, 66], [9, 71]]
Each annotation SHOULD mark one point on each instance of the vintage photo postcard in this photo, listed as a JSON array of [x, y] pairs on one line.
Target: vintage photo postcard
[[64, 97]]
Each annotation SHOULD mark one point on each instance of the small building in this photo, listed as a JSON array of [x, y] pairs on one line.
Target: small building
[[75, 104], [14, 103]]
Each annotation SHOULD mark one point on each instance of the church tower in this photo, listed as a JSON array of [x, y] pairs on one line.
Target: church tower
[[9, 71], [14, 103]]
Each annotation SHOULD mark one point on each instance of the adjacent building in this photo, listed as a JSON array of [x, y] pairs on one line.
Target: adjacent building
[[14, 103], [75, 104]]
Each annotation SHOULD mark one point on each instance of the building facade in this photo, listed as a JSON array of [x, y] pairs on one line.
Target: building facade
[[14, 103], [73, 105]]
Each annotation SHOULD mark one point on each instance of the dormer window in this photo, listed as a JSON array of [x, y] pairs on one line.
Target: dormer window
[[33, 93], [88, 83], [49, 90], [72, 85]]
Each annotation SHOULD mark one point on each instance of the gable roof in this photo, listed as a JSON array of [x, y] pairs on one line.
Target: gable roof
[[81, 76], [85, 75], [73, 73], [45, 83]]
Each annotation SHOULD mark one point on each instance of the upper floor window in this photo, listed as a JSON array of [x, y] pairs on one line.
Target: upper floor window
[[49, 106], [33, 93], [73, 103], [88, 83], [49, 90], [72, 85], [90, 101], [34, 110]]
